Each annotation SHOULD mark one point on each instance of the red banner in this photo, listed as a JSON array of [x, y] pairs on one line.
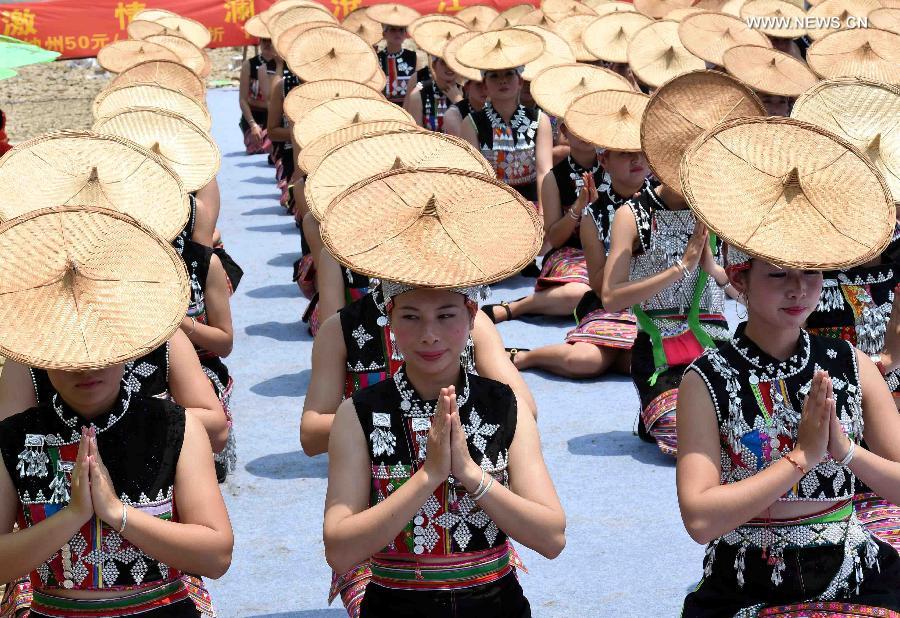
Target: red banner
[[78, 28]]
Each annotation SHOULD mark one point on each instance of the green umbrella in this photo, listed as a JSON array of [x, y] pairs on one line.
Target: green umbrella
[[16, 53]]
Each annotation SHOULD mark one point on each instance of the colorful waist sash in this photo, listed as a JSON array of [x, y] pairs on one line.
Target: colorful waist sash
[[138, 603], [449, 573]]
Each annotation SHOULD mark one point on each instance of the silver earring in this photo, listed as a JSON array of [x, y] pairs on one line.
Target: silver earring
[[742, 304], [396, 354]]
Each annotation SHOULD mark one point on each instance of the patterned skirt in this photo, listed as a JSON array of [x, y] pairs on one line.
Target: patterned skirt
[[605, 330], [880, 517], [305, 276], [261, 117], [561, 266]]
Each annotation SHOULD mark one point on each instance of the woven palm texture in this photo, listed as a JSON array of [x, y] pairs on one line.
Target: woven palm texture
[[433, 228], [312, 154], [684, 108], [165, 73], [188, 54], [449, 56], [298, 15], [329, 52], [306, 96], [769, 71], [369, 155], [500, 49], [656, 54], [608, 36], [432, 36], [789, 14], [286, 38], [556, 87], [848, 13], [112, 100], [788, 192], [256, 27], [478, 17], [84, 288], [359, 23], [335, 114], [142, 28], [864, 113], [392, 14], [609, 119], [868, 53], [556, 51], [122, 55], [187, 28], [188, 149], [106, 171], [572, 29], [710, 35]]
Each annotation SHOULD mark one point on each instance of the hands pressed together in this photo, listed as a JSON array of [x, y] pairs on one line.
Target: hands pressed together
[[447, 450], [92, 489], [820, 432]]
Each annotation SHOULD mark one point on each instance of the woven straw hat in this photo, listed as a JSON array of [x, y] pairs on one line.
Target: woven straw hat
[[106, 171], [315, 151], [85, 288], [432, 36], [536, 18], [140, 29], [572, 30], [440, 228], [769, 70], [372, 154], [256, 27], [391, 14], [780, 10], [500, 49], [511, 16], [842, 9], [789, 193], [121, 55], [111, 100], [556, 51], [153, 14], [331, 52], [864, 113], [478, 16], [608, 119], [658, 9], [555, 88], [378, 81], [861, 52], [336, 114], [680, 14], [188, 54], [684, 108], [359, 23], [615, 7], [449, 56], [608, 36], [188, 28], [885, 18], [431, 17], [709, 35], [287, 37], [165, 73], [188, 149], [656, 54], [297, 16], [307, 95], [557, 10]]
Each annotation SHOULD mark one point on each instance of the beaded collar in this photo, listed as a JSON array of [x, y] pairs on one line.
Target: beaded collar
[[576, 170], [411, 402], [520, 125], [767, 368], [107, 420]]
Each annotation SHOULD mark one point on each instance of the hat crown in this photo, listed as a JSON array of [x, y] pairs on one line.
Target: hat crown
[[623, 111], [873, 150], [792, 187], [430, 209]]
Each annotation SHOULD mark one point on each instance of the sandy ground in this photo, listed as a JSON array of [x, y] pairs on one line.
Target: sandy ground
[[58, 95]]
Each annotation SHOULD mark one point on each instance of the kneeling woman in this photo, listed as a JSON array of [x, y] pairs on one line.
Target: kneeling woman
[[92, 476], [431, 470], [770, 426]]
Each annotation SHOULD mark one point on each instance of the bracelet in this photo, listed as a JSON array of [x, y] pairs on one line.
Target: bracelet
[[193, 326], [850, 453], [573, 216], [124, 519], [788, 457], [682, 268], [480, 487], [484, 491]]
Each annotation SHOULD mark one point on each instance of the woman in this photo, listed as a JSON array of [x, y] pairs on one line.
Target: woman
[[397, 63], [429, 100], [771, 425], [602, 340], [256, 75], [564, 277], [94, 472], [409, 487], [514, 138], [472, 101], [279, 131]]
